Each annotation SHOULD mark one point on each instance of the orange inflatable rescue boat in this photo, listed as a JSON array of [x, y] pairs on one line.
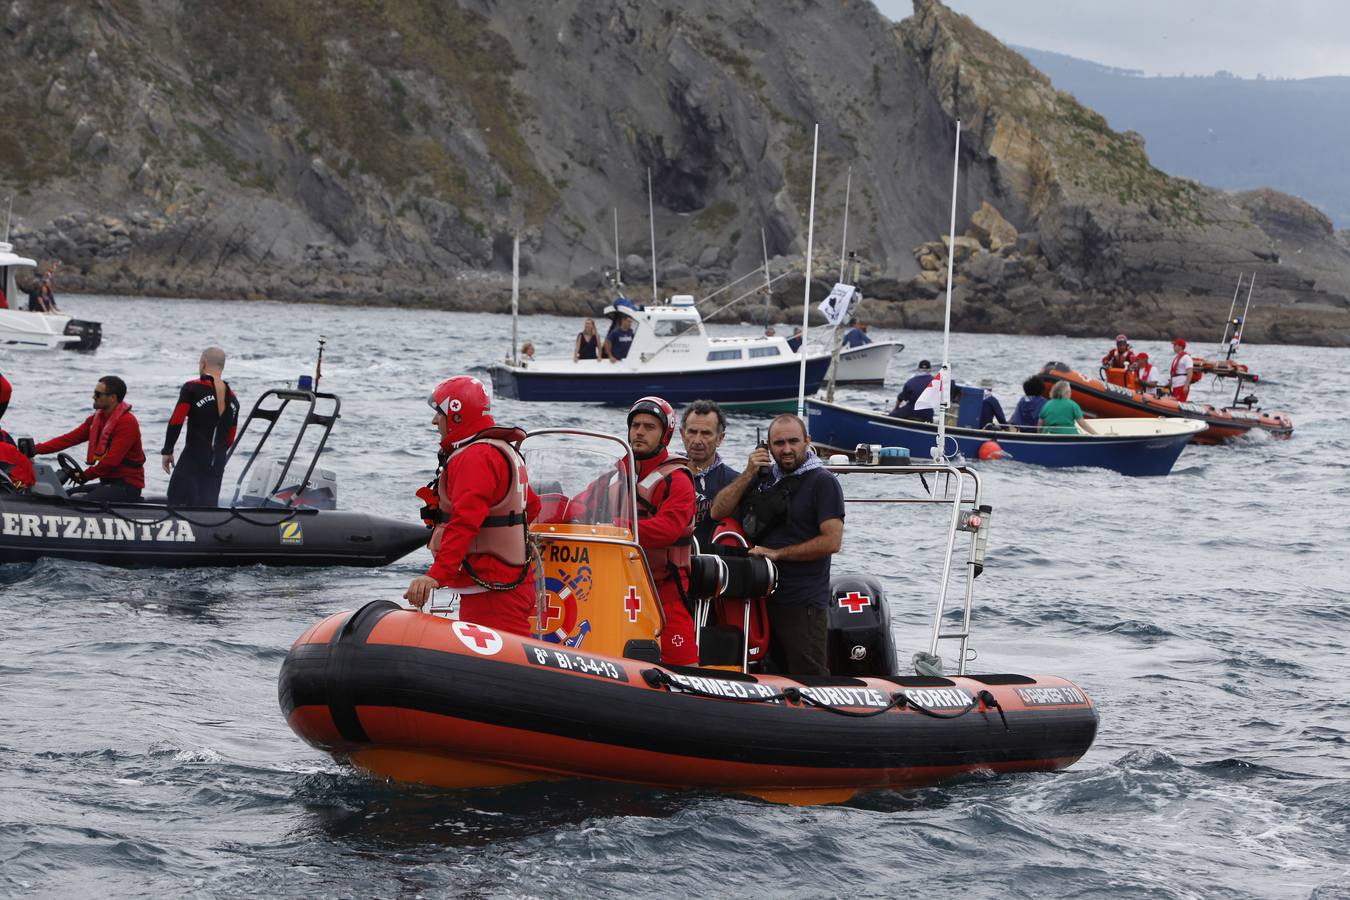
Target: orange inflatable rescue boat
[[1118, 398], [419, 697]]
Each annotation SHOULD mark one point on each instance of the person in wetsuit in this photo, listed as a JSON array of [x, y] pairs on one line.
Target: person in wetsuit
[[211, 412]]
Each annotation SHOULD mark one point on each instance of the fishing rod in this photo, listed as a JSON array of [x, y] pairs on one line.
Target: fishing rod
[[1223, 341], [651, 217], [318, 363], [768, 282]]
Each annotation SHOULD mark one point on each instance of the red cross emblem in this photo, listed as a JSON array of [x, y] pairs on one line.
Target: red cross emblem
[[552, 610], [477, 638], [855, 601], [632, 604]]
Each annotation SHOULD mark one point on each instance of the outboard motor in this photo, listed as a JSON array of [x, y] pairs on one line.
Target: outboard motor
[[90, 335], [859, 641], [320, 493]]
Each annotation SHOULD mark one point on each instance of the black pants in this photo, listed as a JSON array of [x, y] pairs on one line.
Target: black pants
[[195, 482], [111, 491], [797, 639]]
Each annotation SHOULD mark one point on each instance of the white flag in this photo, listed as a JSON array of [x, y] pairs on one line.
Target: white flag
[[840, 304], [931, 398]]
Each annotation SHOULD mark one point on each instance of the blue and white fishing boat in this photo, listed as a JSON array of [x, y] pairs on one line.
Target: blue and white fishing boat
[[671, 356], [1128, 446]]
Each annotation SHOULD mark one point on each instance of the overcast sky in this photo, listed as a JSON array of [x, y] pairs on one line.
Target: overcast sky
[[1276, 38]]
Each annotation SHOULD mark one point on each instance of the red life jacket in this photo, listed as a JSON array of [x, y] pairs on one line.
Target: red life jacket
[[678, 553], [502, 534]]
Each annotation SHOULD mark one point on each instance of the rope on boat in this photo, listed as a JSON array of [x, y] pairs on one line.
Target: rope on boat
[[899, 700]]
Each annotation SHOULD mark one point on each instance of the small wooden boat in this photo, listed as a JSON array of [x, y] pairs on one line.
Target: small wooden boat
[[415, 697], [1101, 398], [1128, 446]]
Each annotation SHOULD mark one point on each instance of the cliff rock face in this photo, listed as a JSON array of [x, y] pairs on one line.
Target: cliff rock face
[[390, 152]]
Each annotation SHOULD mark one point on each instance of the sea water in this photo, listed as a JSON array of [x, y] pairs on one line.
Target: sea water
[[142, 751]]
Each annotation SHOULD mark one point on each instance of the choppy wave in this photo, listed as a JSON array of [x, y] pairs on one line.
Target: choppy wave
[[143, 751]]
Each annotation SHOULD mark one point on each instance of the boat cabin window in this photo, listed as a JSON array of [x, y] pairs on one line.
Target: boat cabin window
[[763, 351], [674, 327], [715, 355]]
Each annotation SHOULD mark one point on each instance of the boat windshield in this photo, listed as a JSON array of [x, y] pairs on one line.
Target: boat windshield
[[581, 479], [674, 327]]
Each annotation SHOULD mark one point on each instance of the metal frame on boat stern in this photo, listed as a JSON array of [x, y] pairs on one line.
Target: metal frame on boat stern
[[961, 488]]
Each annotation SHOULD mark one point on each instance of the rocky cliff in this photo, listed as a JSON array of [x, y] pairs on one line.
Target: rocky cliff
[[345, 150]]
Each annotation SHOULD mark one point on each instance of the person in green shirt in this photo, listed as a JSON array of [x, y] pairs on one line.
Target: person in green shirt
[[1060, 414]]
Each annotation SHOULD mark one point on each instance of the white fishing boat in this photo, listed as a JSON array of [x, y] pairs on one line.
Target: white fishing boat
[[866, 364], [671, 356], [22, 329]]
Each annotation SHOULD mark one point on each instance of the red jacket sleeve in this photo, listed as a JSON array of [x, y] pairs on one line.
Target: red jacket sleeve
[[78, 435], [673, 514], [477, 479], [126, 434]]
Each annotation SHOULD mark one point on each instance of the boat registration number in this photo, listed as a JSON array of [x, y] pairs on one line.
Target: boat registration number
[[575, 662]]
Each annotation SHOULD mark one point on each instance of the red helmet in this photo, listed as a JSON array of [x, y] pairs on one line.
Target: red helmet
[[1141, 357], [465, 403], [665, 414], [1180, 342], [1121, 339]]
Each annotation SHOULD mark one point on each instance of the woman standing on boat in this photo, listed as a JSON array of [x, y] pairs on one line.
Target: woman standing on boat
[[588, 343]]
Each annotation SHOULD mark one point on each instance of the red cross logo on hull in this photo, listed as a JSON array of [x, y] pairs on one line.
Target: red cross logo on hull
[[855, 601], [477, 638], [632, 604]]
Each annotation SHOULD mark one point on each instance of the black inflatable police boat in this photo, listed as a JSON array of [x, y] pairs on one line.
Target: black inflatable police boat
[[277, 517]]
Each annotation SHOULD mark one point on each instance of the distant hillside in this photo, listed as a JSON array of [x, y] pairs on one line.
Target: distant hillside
[[1233, 133]]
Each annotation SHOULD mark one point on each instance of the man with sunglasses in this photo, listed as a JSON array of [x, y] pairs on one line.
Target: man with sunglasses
[[114, 456], [478, 508]]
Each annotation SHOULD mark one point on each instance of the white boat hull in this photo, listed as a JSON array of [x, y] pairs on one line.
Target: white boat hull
[[20, 330], [866, 364]]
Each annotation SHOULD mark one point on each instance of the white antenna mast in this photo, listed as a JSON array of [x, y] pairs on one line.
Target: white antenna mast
[[618, 272], [651, 217], [944, 374], [843, 246], [806, 291], [9, 207], [1245, 308], [515, 297], [768, 282]]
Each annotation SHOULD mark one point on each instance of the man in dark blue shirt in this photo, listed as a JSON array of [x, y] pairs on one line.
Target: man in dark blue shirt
[[703, 426], [800, 537], [1028, 412], [857, 335], [910, 393], [795, 342], [620, 340]]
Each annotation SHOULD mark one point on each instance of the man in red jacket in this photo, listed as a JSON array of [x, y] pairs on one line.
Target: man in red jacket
[[666, 506], [5, 391], [114, 456], [14, 464], [478, 510]]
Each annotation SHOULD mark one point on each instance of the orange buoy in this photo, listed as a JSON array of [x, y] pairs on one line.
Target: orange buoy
[[991, 450]]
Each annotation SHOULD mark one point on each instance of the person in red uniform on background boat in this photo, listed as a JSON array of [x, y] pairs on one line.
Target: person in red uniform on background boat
[[666, 506], [1120, 356], [1146, 375], [478, 508], [14, 463], [1180, 380], [114, 456]]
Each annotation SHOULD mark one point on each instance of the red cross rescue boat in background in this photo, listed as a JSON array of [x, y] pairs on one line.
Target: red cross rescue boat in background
[[419, 697], [1119, 397]]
